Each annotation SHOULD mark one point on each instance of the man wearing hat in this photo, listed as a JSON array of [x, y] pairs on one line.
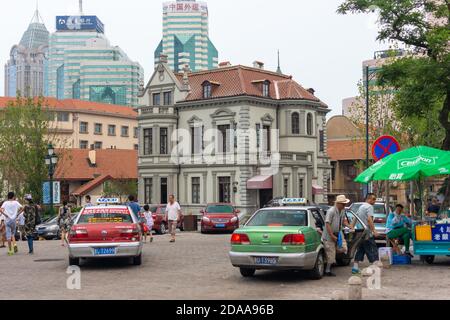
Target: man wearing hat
[[334, 224]]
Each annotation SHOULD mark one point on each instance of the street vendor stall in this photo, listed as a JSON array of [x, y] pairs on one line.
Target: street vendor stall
[[430, 235]]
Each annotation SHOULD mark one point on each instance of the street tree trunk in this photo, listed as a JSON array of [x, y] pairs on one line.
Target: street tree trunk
[[445, 122]]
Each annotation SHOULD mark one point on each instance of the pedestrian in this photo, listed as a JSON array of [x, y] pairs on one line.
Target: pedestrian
[[64, 221], [11, 209], [88, 202], [368, 246], [2, 229], [135, 207], [30, 213], [149, 223], [333, 237], [173, 212], [21, 225]]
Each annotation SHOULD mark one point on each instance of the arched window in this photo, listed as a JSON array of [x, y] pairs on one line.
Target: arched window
[[295, 123], [309, 124], [207, 90], [266, 88]]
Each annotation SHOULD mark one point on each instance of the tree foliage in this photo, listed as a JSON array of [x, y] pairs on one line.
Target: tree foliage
[[24, 126], [121, 188], [422, 80]]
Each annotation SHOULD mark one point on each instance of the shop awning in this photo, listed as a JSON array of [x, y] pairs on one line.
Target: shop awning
[[317, 190], [260, 183]]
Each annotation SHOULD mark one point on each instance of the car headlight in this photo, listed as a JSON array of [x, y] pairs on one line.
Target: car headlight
[[53, 228], [234, 220], [206, 219]]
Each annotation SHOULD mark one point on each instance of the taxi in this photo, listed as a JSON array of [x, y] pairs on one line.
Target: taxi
[[287, 237], [108, 230]]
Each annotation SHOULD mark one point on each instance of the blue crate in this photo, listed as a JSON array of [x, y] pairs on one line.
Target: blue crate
[[401, 260]]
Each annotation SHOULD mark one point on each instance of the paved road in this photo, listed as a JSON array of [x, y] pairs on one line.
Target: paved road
[[195, 267]]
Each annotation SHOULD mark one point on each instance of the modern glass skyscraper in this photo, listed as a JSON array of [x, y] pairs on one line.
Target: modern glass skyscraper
[[25, 70], [186, 36], [83, 65]]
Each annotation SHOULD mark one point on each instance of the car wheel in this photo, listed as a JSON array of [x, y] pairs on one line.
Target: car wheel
[[429, 259], [247, 272], [319, 267], [162, 228], [137, 261], [74, 261], [182, 227]]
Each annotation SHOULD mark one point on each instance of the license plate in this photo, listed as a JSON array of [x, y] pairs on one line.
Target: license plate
[[104, 251], [220, 226], [266, 261]]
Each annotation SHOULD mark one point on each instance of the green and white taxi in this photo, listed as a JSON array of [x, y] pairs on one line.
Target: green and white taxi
[[287, 237]]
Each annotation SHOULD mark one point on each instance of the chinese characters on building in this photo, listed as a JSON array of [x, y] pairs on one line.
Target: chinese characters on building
[[185, 7]]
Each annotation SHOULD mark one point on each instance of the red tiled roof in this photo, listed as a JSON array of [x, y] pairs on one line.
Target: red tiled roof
[[80, 106], [119, 164], [240, 80], [347, 150], [87, 187]]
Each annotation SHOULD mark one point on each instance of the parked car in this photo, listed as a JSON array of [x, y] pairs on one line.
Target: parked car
[[105, 232], [159, 216], [379, 219], [49, 229], [219, 217], [285, 238]]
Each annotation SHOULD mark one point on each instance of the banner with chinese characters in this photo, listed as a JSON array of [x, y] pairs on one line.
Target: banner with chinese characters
[[441, 233], [185, 7]]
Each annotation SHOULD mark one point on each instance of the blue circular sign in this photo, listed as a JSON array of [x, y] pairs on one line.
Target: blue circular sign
[[385, 146]]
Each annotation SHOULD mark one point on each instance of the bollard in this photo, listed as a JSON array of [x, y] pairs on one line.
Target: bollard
[[355, 288], [365, 275]]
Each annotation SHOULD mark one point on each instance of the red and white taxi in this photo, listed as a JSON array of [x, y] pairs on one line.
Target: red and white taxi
[[105, 231]]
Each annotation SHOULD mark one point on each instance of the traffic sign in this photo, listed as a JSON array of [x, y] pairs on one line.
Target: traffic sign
[[385, 146]]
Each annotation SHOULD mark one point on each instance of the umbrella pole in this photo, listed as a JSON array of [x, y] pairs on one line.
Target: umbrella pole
[[420, 182]]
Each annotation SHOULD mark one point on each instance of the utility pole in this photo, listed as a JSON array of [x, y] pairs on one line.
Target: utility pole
[[367, 124]]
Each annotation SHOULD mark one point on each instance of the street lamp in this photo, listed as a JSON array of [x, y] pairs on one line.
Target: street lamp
[[50, 161]]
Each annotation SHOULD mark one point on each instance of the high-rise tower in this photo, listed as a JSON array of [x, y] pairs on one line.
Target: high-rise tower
[[186, 36], [25, 70]]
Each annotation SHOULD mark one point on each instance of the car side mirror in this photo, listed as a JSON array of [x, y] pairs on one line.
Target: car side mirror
[[202, 211]]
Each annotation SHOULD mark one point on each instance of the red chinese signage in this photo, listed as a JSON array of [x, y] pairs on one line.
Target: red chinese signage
[[185, 7]]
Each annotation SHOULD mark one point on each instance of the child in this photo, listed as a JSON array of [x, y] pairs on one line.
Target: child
[[148, 222]]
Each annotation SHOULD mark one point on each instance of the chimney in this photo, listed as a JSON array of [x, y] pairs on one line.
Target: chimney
[[186, 86], [258, 65], [312, 91], [163, 58], [225, 64], [93, 157]]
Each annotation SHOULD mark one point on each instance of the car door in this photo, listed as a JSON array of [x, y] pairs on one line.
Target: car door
[[319, 221], [354, 238]]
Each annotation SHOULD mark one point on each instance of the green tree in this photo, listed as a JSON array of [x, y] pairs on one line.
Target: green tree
[[421, 81], [121, 188], [24, 127]]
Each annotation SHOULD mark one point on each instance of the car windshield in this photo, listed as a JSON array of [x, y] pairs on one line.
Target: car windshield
[[105, 215], [377, 208], [219, 209], [278, 218]]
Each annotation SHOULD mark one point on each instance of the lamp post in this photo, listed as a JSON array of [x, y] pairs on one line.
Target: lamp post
[[51, 160], [367, 80]]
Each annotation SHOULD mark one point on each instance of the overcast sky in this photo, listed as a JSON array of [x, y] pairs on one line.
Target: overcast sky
[[320, 48]]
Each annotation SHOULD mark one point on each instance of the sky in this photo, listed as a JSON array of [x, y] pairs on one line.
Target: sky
[[318, 47]]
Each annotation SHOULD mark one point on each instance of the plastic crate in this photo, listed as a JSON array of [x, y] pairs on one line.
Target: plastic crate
[[401, 260], [423, 233]]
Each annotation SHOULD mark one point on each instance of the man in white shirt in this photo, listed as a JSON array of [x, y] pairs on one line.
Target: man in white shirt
[[11, 209], [173, 211]]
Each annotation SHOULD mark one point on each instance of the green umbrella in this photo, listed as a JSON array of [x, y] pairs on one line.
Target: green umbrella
[[412, 164]]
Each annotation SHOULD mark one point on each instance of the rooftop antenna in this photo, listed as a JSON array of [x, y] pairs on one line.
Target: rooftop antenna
[[81, 7], [279, 68], [37, 17]]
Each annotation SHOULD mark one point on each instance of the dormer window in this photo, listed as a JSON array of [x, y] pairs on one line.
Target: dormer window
[[207, 90], [266, 89]]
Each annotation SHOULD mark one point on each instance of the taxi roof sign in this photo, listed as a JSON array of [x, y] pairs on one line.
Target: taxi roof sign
[[294, 201], [108, 201]]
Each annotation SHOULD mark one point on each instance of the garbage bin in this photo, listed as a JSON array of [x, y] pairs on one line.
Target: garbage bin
[[190, 223]]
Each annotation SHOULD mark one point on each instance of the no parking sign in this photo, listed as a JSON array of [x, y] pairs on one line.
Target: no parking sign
[[385, 146]]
